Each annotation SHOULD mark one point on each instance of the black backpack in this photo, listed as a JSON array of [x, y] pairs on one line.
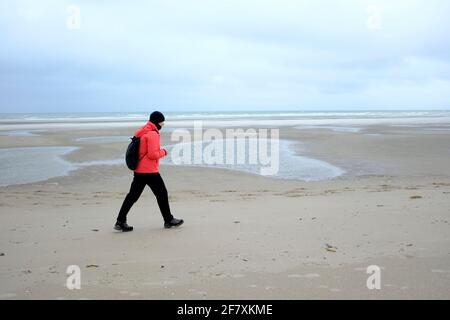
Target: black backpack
[[132, 154]]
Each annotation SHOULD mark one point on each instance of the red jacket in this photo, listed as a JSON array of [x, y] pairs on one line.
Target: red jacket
[[149, 149]]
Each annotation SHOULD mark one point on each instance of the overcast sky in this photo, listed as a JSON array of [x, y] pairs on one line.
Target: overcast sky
[[224, 55]]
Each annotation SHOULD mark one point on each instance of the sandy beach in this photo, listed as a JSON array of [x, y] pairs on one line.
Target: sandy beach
[[245, 236]]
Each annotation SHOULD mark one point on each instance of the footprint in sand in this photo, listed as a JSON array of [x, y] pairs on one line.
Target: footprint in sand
[[219, 275], [443, 184]]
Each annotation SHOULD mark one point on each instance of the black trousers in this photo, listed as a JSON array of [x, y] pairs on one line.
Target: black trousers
[[156, 183]]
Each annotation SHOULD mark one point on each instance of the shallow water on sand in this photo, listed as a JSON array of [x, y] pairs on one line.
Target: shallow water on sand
[[31, 164], [285, 162], [21, 133], [332, 128], [104, 139]]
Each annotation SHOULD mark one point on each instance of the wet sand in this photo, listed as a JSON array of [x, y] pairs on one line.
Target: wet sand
[[245, 236]]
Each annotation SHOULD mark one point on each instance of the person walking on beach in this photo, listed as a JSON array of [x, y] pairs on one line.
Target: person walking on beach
[[146, 173]]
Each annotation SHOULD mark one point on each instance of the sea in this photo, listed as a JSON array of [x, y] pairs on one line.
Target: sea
[[39, 163]]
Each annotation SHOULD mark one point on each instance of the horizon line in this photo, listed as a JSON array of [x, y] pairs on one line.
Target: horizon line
[[233, 111]]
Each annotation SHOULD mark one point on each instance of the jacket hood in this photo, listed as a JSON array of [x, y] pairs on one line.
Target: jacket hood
[[146, 128]]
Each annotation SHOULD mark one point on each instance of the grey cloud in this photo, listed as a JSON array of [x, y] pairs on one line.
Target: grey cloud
[[223, 54]]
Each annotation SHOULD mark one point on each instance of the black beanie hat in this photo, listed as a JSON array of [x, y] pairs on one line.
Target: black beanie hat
[[157, 117]]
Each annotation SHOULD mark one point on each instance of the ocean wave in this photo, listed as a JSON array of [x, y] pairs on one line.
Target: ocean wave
[[172, 116]]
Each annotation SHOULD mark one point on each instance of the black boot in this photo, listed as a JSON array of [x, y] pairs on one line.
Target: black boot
[[123, 226], [173, 223]]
